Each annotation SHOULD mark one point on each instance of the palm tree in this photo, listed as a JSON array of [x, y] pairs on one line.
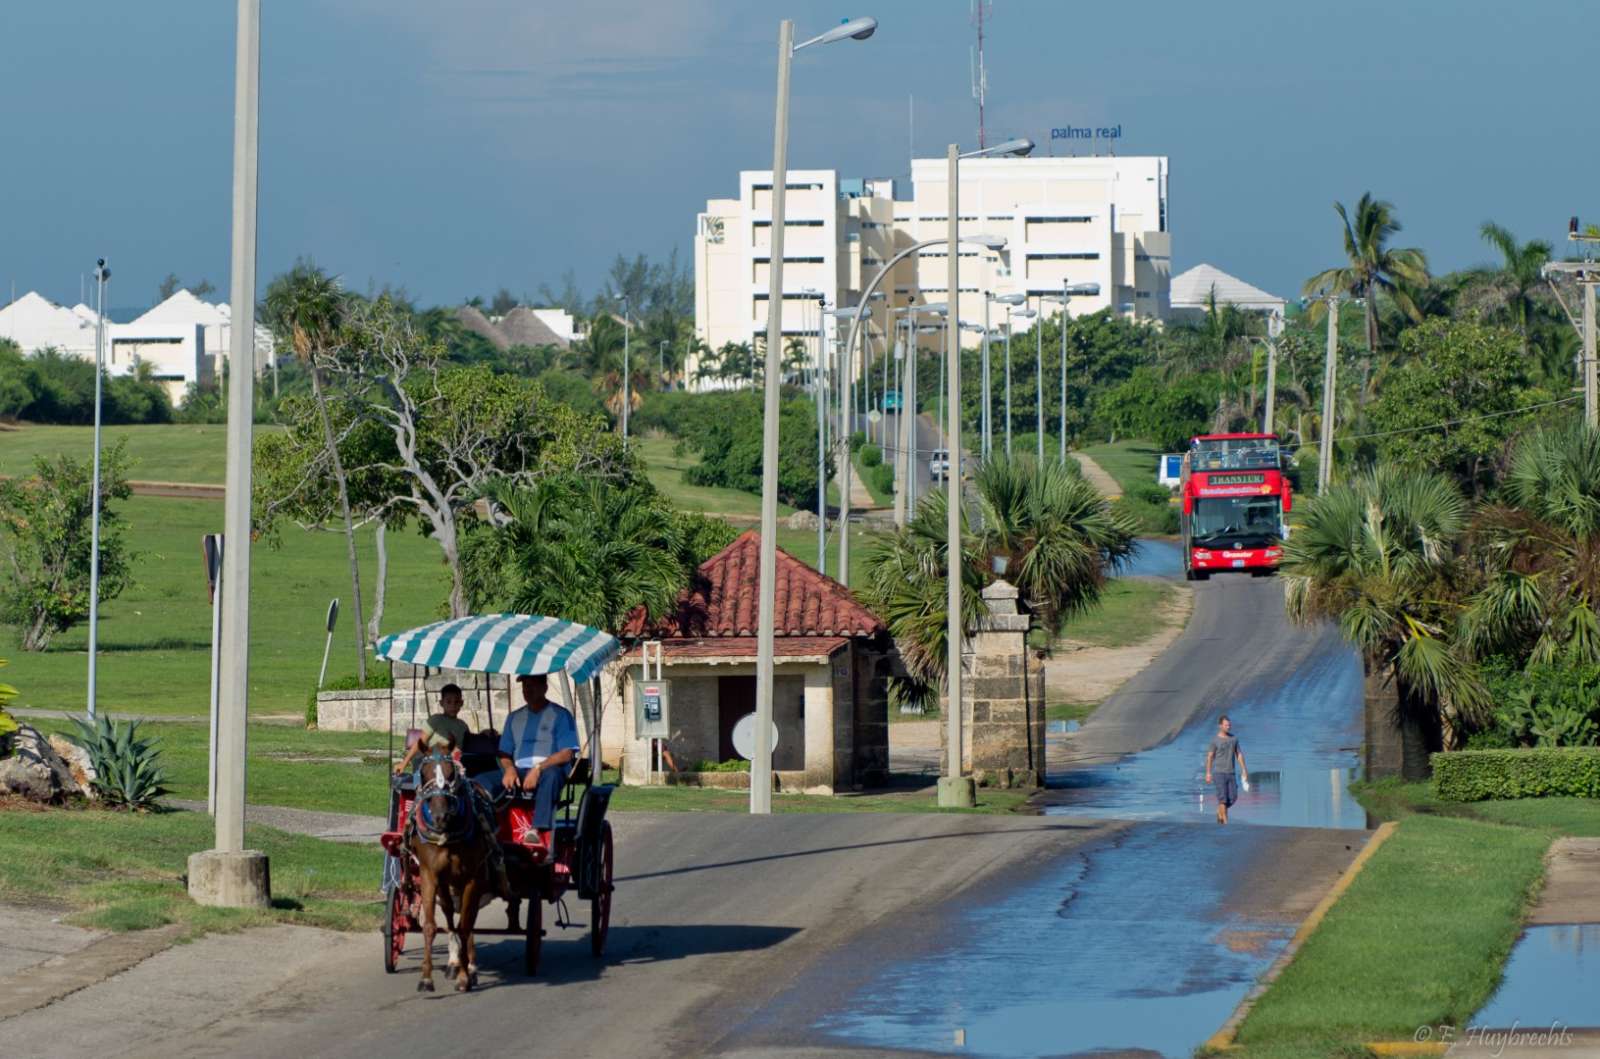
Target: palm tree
[[1519, 276], [582, 549], [907, 588], [1540, 552], [1376, 555], [305, 307], [1372, 266], [1057, 534]]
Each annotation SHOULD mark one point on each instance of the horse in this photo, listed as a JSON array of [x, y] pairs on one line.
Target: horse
[[453, 851]]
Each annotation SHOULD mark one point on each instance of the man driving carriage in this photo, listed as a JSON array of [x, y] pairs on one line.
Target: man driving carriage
[[537, 748]]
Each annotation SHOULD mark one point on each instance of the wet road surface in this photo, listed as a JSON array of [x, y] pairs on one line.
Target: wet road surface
[[1148, 940]]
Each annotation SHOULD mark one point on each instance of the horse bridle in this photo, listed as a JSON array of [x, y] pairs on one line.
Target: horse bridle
[[434, 785]]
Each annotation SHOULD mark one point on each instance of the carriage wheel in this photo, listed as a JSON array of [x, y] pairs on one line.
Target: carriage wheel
[[394, 930], [535, 936], [600, 905]]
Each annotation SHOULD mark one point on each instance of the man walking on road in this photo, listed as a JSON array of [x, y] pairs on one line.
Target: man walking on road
[[1219, 760]]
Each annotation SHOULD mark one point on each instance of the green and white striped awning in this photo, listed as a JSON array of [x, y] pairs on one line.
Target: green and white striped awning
[[504, 643]]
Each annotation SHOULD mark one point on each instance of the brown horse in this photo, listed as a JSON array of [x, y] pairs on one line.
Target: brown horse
[[453, 850]]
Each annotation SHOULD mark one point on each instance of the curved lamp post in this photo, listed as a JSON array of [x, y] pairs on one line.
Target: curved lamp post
[[761, 759], [985, 242]]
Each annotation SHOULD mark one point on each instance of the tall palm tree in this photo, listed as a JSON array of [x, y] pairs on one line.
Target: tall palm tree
[[1539, 549], [305, 308], [1371, 265], [1376, 555], [1519, 276]]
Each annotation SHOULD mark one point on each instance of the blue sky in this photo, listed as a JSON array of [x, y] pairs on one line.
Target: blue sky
[[455, 146]]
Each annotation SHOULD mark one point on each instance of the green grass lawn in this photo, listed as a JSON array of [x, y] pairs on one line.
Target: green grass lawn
[[666, 468], [802, 544], [1420, 937], [155, 638], [879, 499], [1131, 611], [1129, 462], [1069, 711], [123, 871], [163, 453]]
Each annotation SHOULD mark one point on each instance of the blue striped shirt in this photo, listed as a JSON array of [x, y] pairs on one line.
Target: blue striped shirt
[[531, 737]]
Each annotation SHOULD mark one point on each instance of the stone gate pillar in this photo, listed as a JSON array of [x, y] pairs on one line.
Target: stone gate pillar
[[1002, 697]]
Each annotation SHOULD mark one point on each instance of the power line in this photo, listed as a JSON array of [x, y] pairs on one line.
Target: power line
[[1457, 422]]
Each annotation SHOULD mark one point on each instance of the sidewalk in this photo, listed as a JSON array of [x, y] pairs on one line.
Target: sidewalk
[[1108, 486]]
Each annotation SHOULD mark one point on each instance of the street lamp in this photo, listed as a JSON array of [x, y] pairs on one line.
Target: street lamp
[[761, 761], [1017, 314], [1068, 292], [993, 243], [102, 276], [627, 336], [954, 788], [987, 418], [229, 874]]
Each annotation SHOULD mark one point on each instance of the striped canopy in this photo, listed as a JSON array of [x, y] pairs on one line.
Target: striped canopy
[[504, 643]]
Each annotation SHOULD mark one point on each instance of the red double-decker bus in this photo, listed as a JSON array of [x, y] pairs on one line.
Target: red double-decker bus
[[1236, 501]]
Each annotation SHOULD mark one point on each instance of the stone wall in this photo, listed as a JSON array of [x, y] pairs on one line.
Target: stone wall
[[1002, 698]]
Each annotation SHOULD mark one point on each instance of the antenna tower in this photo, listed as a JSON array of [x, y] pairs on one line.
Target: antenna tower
[[981, 9]]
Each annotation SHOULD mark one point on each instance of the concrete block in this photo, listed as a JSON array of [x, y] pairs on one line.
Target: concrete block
[[957, 792], [230, 879]]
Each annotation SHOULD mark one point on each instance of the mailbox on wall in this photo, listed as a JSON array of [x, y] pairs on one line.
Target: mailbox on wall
[[651, 709]]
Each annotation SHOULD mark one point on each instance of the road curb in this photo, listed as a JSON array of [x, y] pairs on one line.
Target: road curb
[[1223, 1039], [45, 983]]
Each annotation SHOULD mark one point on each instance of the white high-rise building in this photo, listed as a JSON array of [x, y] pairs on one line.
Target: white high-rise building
[[1100, 220]]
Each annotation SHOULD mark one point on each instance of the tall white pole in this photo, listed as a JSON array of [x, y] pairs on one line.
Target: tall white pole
[[216, 676], [983, 387], [1591, 370], [102, 277], [1065, 316], [627, 367], [1038, 380], [1008, 380], [1330, 377], [1267, 417], [846, 471], [761, 762], [235, 683], [820, 392], [954, 788]]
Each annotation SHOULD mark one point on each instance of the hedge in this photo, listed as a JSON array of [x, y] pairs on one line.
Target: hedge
[[1539, 772]]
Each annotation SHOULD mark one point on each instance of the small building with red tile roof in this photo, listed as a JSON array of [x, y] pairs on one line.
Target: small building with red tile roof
[[832, 659]]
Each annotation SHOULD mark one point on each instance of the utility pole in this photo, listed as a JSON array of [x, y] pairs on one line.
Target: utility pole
[[230, 875], [955, 789], [102, 276], [627, 336], [1591, 370], [1267, 419], [1330, 377]]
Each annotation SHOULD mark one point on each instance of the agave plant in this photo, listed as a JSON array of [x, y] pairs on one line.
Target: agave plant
[[127, 769]]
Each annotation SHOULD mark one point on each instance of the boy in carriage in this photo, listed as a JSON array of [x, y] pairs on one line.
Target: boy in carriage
[[444, 730], [537, 748]]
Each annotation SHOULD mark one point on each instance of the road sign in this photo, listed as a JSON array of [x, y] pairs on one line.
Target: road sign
[[874, 416], [211, 553], [333, 614], [744, 736]]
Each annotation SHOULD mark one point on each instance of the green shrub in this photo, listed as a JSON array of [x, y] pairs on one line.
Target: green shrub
[[1543, 772], [731, 765], [377, 677], [127, 769], [1158, 516], [8, 724], [857, 440], [1545, 705], [871, 456]]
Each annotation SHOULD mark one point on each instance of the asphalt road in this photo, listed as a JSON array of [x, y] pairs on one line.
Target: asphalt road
[[1130, 924]]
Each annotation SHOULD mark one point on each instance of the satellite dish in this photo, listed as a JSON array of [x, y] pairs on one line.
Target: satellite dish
[[744, 736]]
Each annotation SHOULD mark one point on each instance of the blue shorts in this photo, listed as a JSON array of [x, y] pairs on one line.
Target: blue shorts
[[1227, 787]]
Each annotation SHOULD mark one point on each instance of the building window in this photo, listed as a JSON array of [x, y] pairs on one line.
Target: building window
[[787, 260], [787, 187], [1059, 220], [1088, 255], [787, 223], [1142, 294], [788, 296]]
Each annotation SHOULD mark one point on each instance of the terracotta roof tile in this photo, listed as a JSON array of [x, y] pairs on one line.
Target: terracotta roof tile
[[724, 600], [683, 650]]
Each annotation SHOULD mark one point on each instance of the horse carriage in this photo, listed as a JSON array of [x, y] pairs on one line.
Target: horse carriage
[[574, 857]]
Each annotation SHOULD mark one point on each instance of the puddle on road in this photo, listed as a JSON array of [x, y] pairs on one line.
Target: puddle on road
[[1125, 946], [1295, 782], [1155, 558], [1553, 976]]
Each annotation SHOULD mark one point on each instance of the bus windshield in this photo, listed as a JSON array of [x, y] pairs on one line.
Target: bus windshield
[[1235, 454], [1242, 521]]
